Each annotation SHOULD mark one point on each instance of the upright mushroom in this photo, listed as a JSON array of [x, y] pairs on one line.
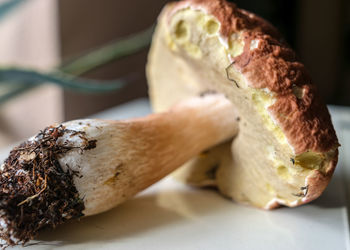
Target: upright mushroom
[[286, 149]]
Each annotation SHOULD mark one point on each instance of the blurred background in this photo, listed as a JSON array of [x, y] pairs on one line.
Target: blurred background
[[87, 39]]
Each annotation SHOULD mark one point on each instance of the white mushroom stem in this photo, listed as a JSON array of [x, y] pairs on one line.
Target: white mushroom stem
[[133, 154]]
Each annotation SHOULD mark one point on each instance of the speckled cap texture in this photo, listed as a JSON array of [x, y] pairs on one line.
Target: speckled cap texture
[[304, 120]]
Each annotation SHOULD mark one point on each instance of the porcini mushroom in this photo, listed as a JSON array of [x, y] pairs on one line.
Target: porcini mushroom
[[286, 149], [85, 167]]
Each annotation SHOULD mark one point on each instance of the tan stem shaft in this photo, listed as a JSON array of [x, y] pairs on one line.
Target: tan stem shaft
[[160, 143], [134, 154]]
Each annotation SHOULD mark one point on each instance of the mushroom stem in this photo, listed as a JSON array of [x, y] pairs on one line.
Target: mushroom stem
[[158, 144], [142, 151]]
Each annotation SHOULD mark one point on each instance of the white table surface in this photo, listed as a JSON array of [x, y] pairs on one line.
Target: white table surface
[[170, 215]]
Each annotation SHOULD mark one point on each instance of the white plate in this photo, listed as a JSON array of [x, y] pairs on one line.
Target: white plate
[[170, 215]]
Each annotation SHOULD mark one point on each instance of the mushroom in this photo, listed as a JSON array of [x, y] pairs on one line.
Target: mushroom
[[286, 149], [85, 167]]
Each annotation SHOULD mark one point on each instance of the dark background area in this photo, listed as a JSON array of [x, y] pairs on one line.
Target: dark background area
[[318, 30]]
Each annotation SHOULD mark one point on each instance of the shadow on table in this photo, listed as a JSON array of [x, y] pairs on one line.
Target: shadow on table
[[149, 212], [137, 216]]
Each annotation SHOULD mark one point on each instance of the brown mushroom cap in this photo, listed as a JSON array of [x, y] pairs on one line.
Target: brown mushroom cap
[[286, 149]]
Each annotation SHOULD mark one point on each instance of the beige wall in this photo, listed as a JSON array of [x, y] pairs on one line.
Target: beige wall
[[28, 38]]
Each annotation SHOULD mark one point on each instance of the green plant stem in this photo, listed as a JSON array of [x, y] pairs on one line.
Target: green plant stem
[[31, 77], [108, 53], [8, 6], [15, 91], [83, 64]]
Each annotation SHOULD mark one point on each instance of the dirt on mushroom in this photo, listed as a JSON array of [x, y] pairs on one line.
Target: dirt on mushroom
[[35, 191]]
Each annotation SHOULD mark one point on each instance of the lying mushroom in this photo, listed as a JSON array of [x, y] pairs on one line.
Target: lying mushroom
[[85, 167], [286, 149]]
